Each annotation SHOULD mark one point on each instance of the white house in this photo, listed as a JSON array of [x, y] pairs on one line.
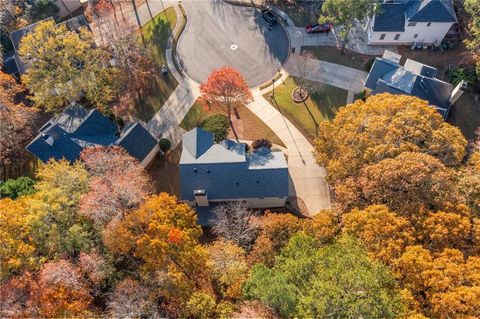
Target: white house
[[404, 22]]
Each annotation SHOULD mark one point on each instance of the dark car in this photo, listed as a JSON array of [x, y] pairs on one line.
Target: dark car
[[268, 15], [319, 28]]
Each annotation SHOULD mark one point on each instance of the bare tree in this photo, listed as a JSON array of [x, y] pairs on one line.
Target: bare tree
[[234, 222]]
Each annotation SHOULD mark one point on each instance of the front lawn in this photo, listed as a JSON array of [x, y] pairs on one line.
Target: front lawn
[[334, 55], [247, 125], [323, 103], [156, 33]]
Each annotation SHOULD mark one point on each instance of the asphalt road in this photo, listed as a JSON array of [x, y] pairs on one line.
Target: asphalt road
[[219, 34]]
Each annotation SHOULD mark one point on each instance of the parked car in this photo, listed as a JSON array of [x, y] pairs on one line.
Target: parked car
[[268, 15], [319, 28]]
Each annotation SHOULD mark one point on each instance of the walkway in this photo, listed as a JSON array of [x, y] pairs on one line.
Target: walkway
[[325, 72], [165, 122], [307, 178]]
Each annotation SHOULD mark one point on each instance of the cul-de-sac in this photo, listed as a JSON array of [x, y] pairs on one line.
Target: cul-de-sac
[[243, 159]]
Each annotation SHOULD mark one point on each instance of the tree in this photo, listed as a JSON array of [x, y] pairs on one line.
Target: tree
[[472, 7], [43, 9], [384, 234], [60, 290], [17, 249], [228, 268], [468, 184], [383, 127], [254, 309], [218, 125], [163, 234], [234, 223], [275, 232], [17, 123], [131, 300], [14, 188], [324, 226], [66, 65], [57, 228], [201, 305], [446, 229], [407, 183], [131, 58], [347, 13], [227, 86], [118, 184], [334, 281], [15, 301]]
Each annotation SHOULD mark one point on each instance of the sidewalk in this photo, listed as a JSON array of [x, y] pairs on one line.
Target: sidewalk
[[328, 73], [307, 178], [165, 122]]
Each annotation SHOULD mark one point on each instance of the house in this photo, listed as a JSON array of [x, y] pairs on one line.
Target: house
[[412, 78], [404, 22], [77, 128], [221, 172], [21, 66]]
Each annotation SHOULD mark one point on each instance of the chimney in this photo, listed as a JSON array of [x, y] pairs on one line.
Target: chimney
[[457, 92]]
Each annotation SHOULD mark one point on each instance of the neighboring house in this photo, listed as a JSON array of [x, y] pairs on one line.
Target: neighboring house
[[412, 78], [16, 37], [221, 172], [77, 128], [411, 21]]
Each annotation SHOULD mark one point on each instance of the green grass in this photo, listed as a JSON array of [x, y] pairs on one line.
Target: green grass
[[334, 55], [248, 126], [156, 33], [323, 103]]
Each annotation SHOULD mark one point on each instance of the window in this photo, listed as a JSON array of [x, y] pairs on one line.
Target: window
[[429, 24], [382, 36], [412, 24], [415, 36], [397, 36]]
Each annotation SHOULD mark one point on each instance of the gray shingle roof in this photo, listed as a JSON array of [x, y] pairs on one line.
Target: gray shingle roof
[[393, 16], [386, 76], [226, 171], [77, 128]]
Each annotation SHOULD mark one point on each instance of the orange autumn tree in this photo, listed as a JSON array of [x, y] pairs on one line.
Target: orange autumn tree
[[384, 234], [163, 234], [60, 290], [227, 86]]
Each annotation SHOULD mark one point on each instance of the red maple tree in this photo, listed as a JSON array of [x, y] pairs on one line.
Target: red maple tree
[[227, 86]]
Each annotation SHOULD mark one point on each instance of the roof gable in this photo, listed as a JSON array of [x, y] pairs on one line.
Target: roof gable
[[197, 142], [432, 11]]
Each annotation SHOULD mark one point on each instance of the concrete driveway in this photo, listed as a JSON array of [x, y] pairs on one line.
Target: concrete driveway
[[219, 34]]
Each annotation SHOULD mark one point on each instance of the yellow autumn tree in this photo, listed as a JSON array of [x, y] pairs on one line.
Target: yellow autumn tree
[[445, 229], [229, 268], [17, 250], [164, 234], [324, 226], [56, 226], [385, 126], [64, 65], [384, 234]]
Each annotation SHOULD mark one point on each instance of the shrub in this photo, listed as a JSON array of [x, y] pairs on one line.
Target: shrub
[[261, 142], [165, 144], [217, 124], [43, 9], [460, 74], [14, 188]]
